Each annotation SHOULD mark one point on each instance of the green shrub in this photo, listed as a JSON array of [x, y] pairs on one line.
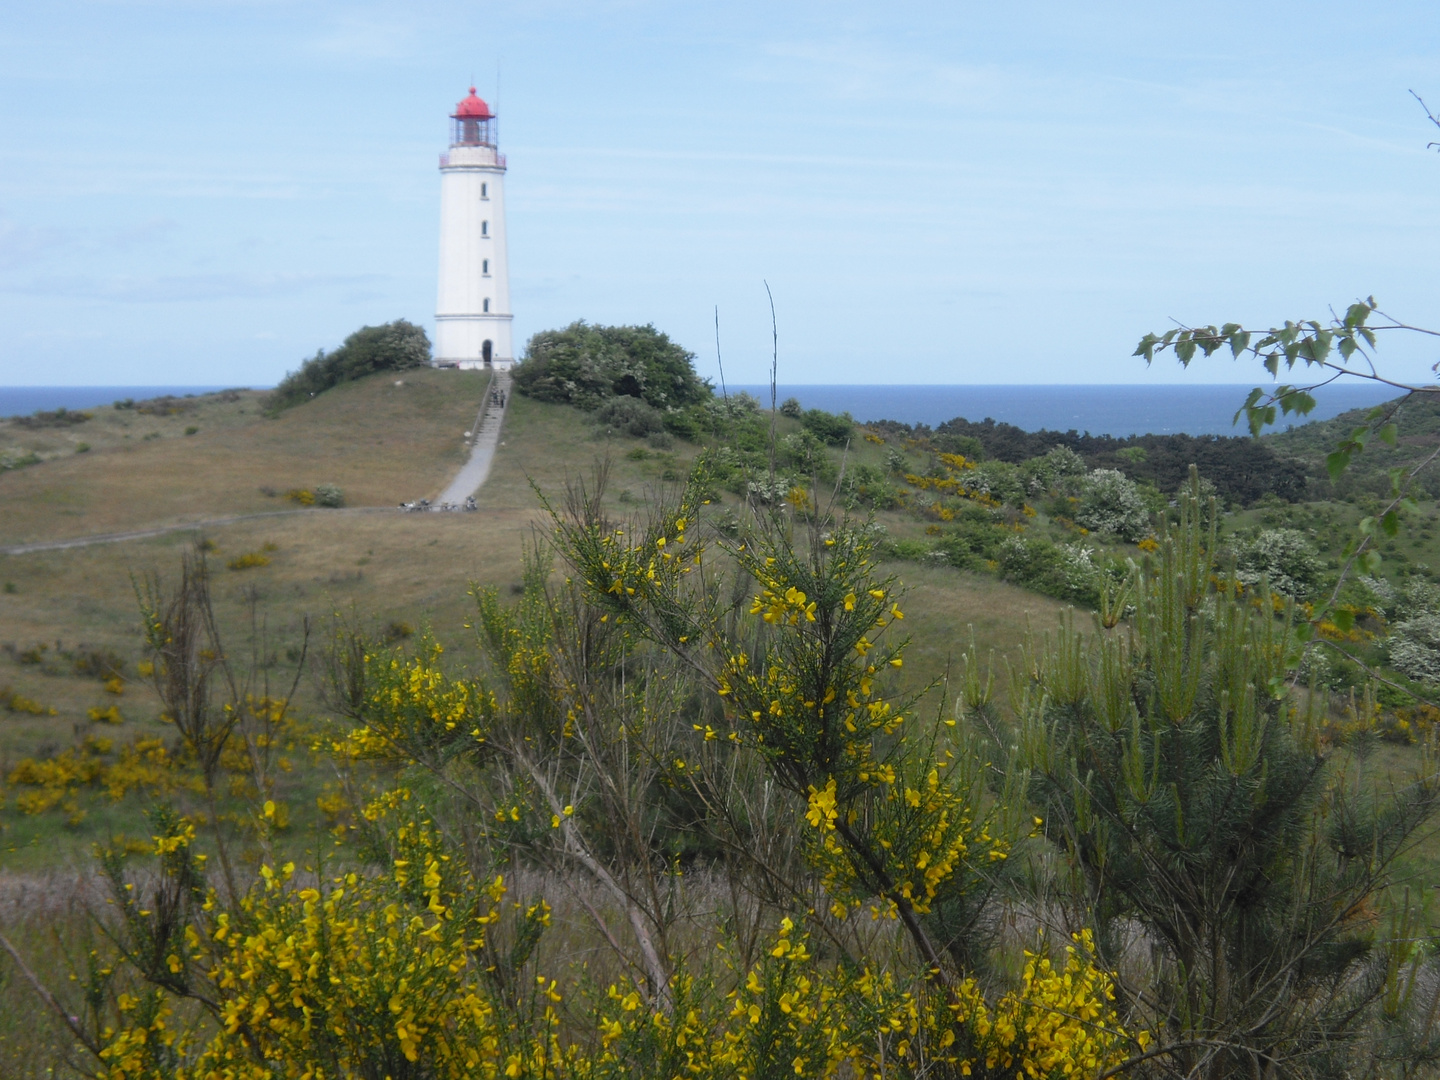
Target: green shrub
[[1066, 572], [82, 448], [1110, 502], [398, 630], [630, 415], [329, 495], [61, 417], [687, 424], [1284, 557], [394, 346], [18, 459], [191, 430], [909, 550], [967, 445], [167, 405], [829, 428], [586, 365], [790, 407]]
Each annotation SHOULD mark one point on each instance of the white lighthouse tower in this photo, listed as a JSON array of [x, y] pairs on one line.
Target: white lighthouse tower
[[472, 315]]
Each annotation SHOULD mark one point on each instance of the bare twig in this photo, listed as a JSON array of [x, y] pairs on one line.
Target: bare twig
[[51, 1002]]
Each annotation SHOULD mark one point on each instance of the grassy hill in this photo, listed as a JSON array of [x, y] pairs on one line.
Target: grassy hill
[[1418, 431], [381, 444], [71, 695], [381, 441]]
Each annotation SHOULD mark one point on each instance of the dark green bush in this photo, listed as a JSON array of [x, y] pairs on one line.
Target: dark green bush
[[586, 365], [829, 428], [1065, 573], [967, 445], [688, 424], [630, 415], [395, 346], [61, 417], [790, 407], [971, 543]]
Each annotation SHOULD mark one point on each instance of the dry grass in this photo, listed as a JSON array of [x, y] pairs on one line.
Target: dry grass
[[381, 443]]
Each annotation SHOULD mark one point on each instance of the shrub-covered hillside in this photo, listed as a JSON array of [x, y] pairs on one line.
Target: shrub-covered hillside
[[394, 346]]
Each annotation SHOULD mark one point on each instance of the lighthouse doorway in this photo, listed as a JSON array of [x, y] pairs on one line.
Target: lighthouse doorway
[[485, 351]]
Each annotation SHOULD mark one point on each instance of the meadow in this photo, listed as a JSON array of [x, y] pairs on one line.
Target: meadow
[[286, 575]]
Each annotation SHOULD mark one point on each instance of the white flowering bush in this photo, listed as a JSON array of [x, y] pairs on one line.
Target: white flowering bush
[[329, 495], [1066, 571], [998, 480], [1415, 648], [1110, 502], [765, 491], [1283, 557], [1050, 471]]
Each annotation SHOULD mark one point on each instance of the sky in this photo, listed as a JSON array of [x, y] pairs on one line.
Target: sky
[[205, 193]]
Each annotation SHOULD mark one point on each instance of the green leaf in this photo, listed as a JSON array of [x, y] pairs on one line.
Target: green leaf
[[1356, 314], [1185, 350], [1304, 632], [1250, 400], [1272, 364], [1388, 432], [1296, 401], [1259, 416], [1336, 463], [1369, 562], [1390, 523], [1344, 619], [1318, 347], [1146, 348], [1366, 526]]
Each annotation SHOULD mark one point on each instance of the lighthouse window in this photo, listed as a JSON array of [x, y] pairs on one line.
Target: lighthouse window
[[484, 228], [484, 191], [487, 303], [485, 266]]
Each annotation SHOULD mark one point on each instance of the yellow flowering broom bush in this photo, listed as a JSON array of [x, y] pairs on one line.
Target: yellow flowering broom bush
[[771, 866]]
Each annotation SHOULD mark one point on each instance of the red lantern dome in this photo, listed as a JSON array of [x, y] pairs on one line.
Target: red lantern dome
[[473, 124], [472, 108]]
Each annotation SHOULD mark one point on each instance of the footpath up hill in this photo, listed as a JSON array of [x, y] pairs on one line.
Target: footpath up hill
[[137, 467]]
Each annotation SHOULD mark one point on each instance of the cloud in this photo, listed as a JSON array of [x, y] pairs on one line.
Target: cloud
[[366, 37], [187, 288], [861, 71], [26, 245], [153, 231]]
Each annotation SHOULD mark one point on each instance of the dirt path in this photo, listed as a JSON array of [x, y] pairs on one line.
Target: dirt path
[[190, 526], [487, 437]]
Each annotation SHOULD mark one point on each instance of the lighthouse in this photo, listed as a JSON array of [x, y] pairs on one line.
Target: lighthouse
[[472, 314]]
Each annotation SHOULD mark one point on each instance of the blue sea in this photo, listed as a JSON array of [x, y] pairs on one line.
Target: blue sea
[[24, 400], [1101, 410]]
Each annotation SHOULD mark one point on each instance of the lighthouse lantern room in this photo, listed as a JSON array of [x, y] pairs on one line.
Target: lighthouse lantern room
[[472, 315]]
